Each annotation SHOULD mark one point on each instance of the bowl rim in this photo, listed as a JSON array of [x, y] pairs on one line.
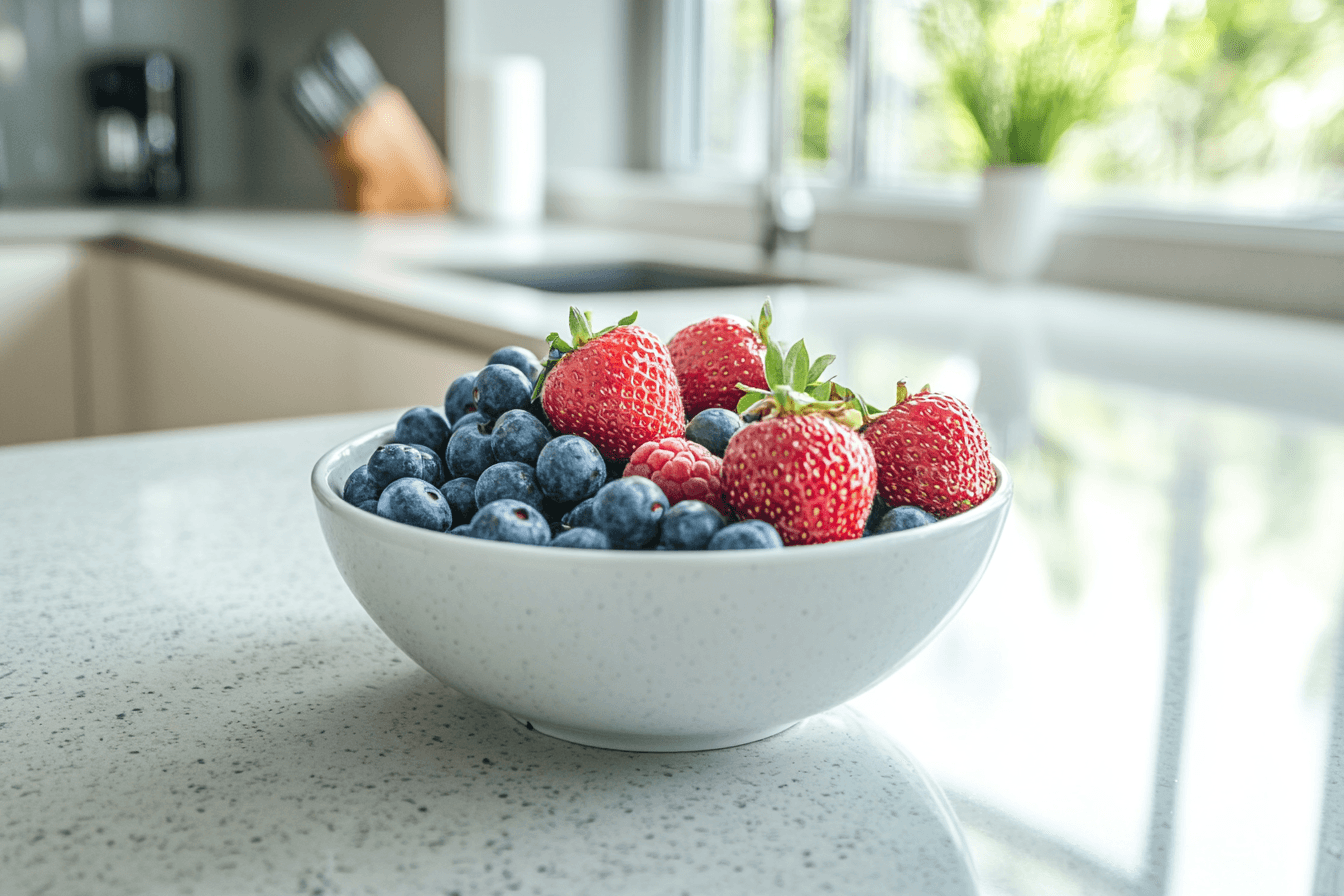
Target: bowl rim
[[425, 539]]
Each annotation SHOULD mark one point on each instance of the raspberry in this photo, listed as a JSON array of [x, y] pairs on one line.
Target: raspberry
[[684, 470]]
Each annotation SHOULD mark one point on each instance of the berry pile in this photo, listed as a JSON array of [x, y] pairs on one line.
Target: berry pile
[[593, 449]]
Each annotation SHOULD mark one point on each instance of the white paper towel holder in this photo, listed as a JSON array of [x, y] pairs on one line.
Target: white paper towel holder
[[498, 140]]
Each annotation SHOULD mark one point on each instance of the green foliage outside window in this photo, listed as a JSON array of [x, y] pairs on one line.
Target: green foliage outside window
[[825, 36], [1237, 88], [1227, 91], [819, 61]]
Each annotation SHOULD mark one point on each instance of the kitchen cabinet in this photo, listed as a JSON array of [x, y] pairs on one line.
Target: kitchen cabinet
[[101, 341], [38, 399]]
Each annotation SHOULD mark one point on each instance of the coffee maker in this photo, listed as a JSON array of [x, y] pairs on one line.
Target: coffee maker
[[136, 117]]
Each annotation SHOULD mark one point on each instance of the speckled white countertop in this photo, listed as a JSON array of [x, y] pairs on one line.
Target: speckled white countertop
[[1144, 695], [191, 701]]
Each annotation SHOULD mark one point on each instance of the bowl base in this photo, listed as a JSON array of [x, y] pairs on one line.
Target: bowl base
[[652, 743]]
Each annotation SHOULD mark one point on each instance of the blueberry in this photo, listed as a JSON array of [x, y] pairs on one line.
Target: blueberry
[[746, 535], [509, 520], [360, 487], [879, 509], [470, 452], [519, 436], [416, 503], [519, 357], [501, 388], [423, 426], [554, 511], [570, 468], [582, 537], [901, 518], [370, 505], [461, 496], [630, 510], [464, 529], [435, 472], [713, 427], [581, 515], [458, 401], [474, 418], [689, 525], [510, 479], [536, 410], [397, 461]]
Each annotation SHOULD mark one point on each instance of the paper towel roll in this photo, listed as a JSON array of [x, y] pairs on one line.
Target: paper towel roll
[[498, 140]]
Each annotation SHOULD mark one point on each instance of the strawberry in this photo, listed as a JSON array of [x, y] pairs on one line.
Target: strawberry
[[615, 387], [713, 356], [802, 467], [931, 453]]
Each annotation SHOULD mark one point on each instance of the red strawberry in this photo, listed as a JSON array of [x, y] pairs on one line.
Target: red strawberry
[[931, 453], [711, 357], [616, 387], [802, 467], [684, 470]]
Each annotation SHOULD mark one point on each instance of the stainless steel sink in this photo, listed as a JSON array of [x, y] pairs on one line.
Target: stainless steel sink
[[622, 276]]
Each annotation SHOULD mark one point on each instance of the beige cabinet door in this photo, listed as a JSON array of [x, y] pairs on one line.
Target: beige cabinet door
[[38, 401], [173, 347]]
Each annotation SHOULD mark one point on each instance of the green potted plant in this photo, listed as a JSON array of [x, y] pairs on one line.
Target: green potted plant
[[1021, 73]]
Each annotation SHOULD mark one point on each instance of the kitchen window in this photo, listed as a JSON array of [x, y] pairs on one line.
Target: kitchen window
[[1213, 104], [1221, 182]]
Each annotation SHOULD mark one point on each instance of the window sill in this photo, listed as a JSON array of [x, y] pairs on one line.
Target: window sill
[[1293, 265]]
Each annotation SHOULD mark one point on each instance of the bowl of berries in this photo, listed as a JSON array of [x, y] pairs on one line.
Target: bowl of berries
[[663, 547]]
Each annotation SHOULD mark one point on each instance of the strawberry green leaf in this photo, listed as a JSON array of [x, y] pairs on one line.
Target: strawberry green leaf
[[820, 391], [623, 322], [578, 326], [764, 321], [748, 399], [774, 364], [819, 367], [556, 342], [795, 366]]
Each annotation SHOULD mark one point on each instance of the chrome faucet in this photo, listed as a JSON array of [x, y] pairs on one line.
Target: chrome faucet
[[787, 209]]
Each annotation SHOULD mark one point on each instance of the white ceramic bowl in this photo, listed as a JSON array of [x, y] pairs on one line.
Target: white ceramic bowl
[[654, 650]]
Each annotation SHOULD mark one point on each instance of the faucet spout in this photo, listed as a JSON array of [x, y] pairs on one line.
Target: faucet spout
[[787, 208]]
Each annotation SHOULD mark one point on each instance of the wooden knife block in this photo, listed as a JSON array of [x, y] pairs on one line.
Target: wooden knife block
[[386, 162]]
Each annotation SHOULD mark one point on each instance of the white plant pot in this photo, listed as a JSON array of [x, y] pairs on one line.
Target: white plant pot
[[1014, 228]]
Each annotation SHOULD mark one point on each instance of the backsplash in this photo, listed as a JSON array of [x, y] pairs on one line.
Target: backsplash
[[45, 46], [243, 146]]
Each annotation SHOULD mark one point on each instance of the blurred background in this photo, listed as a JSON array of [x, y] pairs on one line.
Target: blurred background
[[1208, 103]]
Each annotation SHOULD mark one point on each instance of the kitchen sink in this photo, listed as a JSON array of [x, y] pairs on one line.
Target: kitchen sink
[[622, 276]]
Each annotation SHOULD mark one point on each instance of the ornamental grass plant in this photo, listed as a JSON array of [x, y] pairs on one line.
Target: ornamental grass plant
[[1024, 72]]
